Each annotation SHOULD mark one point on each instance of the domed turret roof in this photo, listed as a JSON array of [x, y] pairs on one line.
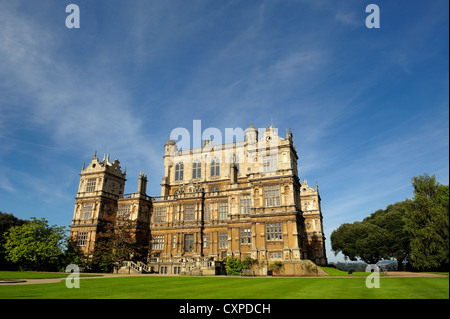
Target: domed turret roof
[[170, 142], [251, 128]]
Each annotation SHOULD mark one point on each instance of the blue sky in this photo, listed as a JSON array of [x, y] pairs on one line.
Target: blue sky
[[369, 108]]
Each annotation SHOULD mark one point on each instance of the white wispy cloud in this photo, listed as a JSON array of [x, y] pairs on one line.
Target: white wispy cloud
[[76, 110]]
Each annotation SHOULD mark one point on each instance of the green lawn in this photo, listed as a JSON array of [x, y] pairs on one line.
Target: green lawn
[[36, 275], [336, 272], [155, 287]]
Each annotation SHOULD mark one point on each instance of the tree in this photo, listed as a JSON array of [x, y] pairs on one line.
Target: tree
[[366, 241], [6, 222], [392, 220], [36, 245], [117, 243], [71, 253], [427, 223]]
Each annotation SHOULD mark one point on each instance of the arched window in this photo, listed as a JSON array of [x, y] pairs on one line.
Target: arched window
[[197, 169], [215, 189], [215, 167], [179, 171]]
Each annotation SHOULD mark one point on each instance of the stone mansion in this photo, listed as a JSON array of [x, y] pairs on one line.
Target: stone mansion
[[236, 199]]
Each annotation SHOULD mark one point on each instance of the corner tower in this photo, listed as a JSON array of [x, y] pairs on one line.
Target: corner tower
[[101, 185], [312, 212]]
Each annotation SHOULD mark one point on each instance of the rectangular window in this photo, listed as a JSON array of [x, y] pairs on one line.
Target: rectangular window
[[215, 168], [246, 236], [206, 212], [188, 243], [272, 196], [158, 242], [274, 231], [124, 211], [223, 211], [275, 255], [189, 212], [270, 163], [87, 211], [160, 215], [82, 238], [176, 213], [90, 185], [206, 241], [174, 241], [179, 171], [223, 240], [245, 204], [197, 169]]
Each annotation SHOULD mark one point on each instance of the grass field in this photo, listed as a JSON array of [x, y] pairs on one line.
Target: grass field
[[36, 275], [162, 287], [336, 272]]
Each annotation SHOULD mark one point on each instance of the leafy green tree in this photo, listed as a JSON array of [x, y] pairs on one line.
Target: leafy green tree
[[71, 254], [117, 243], [427, 222], [392, 220], [6, 222], [366, 241], [36, 245]]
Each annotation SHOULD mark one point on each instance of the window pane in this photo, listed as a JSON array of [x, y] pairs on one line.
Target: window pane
[[90, 186], [274, 231], [223, 211], [272, 196], [189, 212], [179, 171], [188, 242]]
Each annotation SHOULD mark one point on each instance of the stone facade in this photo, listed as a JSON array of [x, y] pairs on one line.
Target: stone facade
[[238, 199]]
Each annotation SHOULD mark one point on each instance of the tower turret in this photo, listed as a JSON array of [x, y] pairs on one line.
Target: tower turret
[[101, 184], [251, 134]]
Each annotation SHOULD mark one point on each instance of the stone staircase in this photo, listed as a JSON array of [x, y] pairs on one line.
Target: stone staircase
[[134, 267], [183, 266]]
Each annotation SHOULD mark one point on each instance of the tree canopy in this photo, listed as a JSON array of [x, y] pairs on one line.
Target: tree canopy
[[427, 223], [117, 243], [366, 241], [35, 245], [392, 219], [416, 230], [6, 222]]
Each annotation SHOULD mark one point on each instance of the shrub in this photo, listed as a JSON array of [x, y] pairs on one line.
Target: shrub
[[233, 266], [276, 267]]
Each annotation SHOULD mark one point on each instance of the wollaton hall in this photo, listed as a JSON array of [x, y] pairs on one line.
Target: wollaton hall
[[238, 199]]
